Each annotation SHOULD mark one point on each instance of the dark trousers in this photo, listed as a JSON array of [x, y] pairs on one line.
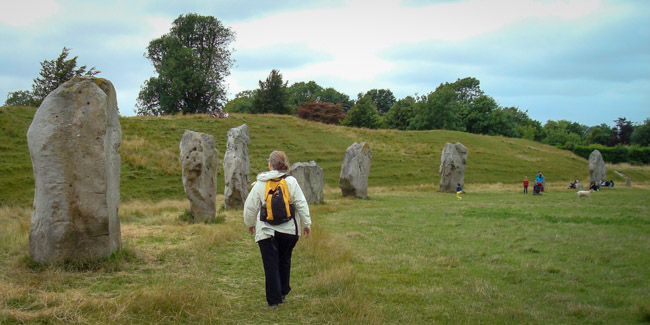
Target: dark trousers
[[276, 256], [526, 189]]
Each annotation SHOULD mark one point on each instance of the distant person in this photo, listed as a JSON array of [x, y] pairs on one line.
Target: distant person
[[525, 184], [276, 241], [459, 191], [539, 180], [594, 186]]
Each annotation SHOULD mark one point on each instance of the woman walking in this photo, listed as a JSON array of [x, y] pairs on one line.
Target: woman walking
[[276, 238]]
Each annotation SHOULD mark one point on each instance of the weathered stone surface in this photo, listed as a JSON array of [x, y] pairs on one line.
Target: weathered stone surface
[[310, 179], [597, 169], [355, 170], [73, 142], [199, 164], [452, 166], [236, 167]]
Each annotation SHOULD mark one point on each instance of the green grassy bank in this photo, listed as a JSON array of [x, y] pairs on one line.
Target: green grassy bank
[[151, 167]]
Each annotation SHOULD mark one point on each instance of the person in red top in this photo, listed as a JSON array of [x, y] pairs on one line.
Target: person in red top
[[525, 184]]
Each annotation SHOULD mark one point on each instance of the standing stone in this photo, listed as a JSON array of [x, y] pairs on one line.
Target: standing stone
[[597, 169], [310, 179], [73, 142], [236, 167], [355, 170], [452, 166], [199, 164]]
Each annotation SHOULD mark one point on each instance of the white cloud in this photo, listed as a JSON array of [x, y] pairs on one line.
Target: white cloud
[[25, 13]]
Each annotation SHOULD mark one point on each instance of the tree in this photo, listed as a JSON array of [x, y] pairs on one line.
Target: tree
[[598, 134], [476, 115], [321, 112], [192, 62], [301, 92], [363, 114], [242, 103], [272, 96], [624, 130], [53, 74], [21, 98], [331, 95], [437, 110], [641, 135], [400, 113], [564, 133], [383, 99], [467, 88]]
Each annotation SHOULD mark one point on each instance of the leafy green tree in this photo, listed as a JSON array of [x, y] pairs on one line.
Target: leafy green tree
[[448, 106], [564, 133], [383, 99], [641, 134], [363, 114], [21, 98], [192, 62], [242, 103], [598, 134], [503, 121], [437, 110], [478, 113], [331, 95], [526, 127], [301, 92], [53, 73], [272, 96], [399, 115], [467, 89]]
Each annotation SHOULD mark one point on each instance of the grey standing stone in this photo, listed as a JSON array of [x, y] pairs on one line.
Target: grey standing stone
[[355, 170], [199, 163], [236, 167], [597, 168], [452, 166], [310, 179], [73, 142]]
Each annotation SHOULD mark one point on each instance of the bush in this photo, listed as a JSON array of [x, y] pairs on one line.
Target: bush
[[321, 112], [619, 154]]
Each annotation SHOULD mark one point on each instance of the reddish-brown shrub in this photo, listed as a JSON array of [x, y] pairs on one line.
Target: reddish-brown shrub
[[323, 112]]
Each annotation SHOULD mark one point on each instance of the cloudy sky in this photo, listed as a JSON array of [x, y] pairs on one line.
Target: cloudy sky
[[580, 60]]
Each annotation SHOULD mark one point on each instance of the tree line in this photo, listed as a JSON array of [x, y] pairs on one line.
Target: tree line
[[459, 106], [194, 58]]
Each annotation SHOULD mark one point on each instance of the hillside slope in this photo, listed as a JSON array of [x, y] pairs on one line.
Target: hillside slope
[[151, 167]]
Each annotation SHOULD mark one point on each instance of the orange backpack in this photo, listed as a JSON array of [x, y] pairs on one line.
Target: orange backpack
[[276, 208]]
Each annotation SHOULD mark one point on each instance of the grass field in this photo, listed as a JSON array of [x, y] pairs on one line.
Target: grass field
[[151, 167], [409, 254]]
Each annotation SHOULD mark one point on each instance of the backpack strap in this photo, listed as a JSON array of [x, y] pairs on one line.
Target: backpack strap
[[295, 222]]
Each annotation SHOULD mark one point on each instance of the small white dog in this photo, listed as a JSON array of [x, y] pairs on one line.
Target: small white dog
[[584, 193]]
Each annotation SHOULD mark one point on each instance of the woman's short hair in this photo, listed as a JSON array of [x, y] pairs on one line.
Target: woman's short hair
[[279, 161]]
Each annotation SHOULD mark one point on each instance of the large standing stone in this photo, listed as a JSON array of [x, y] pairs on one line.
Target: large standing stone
[[355, 170], [199, 164], [73, 142], [452, 166], [597, 169], [236, 167], [310, 179]]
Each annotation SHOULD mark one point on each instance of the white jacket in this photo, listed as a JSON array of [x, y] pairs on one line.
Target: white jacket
[[253, 205]]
